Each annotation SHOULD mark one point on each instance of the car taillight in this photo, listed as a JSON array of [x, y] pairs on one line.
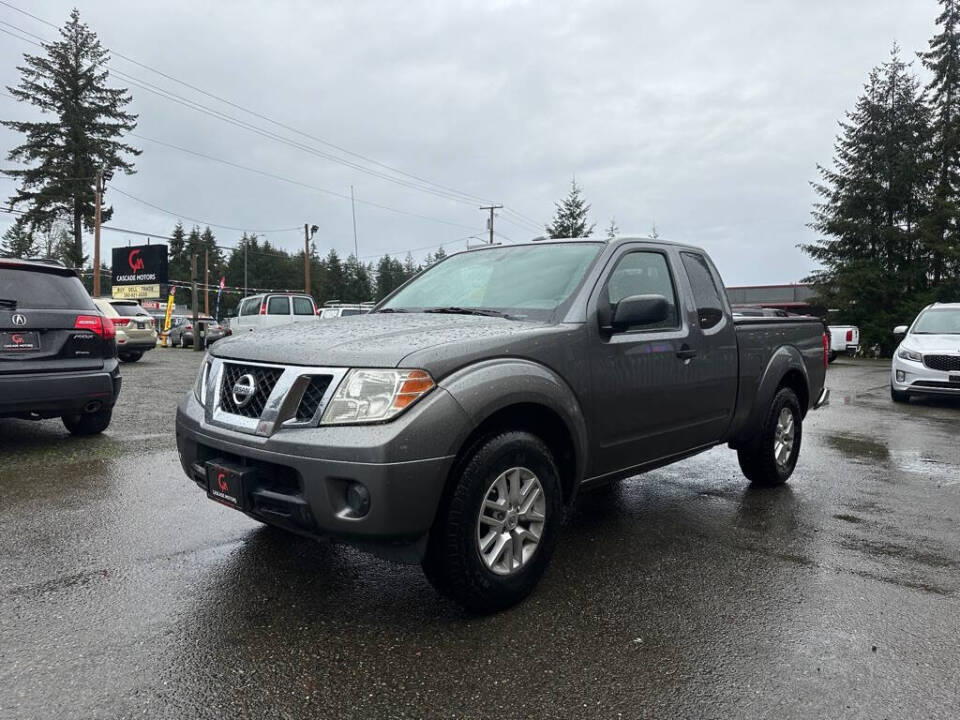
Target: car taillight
[[120, 321], [97, 324], [188, 327], [849, 335], [263, 307], [826, 350]]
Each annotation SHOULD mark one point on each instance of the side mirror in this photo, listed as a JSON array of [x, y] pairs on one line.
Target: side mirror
[[900, 330], [640, 310]]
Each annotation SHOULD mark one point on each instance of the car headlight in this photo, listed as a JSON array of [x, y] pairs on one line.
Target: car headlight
[[366, 396], [908, 354], [200, 386]]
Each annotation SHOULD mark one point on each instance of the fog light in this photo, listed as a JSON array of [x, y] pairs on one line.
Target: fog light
[[358, 499], [901, 376]]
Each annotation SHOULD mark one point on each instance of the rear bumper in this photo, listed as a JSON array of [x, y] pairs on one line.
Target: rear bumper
[[823, 399], [55, 394]]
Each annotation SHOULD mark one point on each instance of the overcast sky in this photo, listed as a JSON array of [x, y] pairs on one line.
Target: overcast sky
[[707, 118]]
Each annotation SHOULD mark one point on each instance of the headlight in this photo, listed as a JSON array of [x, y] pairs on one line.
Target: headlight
[[375, 395], [908, 354], [200, 386]]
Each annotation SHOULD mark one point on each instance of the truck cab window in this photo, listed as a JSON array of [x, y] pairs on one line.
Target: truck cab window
[[705, 294], [642, 273]]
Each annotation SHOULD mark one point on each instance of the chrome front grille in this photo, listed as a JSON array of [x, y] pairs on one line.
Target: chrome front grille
[[264, 379], [259, 399], [944, 363]]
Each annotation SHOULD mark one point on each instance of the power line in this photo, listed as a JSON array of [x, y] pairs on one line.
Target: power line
[[467, 197], [201, 222], [296, 182]]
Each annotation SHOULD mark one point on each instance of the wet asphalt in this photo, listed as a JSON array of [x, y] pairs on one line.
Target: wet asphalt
[[681, 593]]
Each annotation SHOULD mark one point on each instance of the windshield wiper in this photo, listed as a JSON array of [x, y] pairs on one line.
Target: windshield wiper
[[453, 310], [8, 303]]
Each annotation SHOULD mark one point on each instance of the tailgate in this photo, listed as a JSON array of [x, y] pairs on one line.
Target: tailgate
[[47, 341]]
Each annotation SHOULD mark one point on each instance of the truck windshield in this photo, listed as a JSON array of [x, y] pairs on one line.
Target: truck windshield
[[523, 281], [939, 322]]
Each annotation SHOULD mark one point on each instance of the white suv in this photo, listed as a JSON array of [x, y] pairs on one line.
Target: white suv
[[927, 362], [260, 311]]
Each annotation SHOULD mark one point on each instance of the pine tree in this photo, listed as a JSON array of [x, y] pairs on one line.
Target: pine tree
[[84, 138], [872, 204], [18, 241], [612, 229], [178, 266], [570, 220], [439, 255], [943, 61], [409, 267]]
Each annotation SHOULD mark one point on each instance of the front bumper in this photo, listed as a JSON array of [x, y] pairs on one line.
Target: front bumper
[[55, 394], [302, 473], [915, 378]]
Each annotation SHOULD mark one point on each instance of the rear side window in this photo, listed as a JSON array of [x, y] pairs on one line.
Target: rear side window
[[349, 311], [250, 306], [705, 292], [129, 309], [278, 305], [43, 290], [303, 306]]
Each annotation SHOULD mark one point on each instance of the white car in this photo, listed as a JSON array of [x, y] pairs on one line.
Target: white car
[[927, 362], [337, 310], [262, 311], [844, 340]]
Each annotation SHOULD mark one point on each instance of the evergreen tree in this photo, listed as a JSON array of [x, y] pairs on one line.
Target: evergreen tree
[[872, 204], [56, 242], [178, 266], [333, 275], [18, 241], [943, 61], [570, 220], [69, 81], [612, 229], [440, 254], [357, 283], [409, 267]]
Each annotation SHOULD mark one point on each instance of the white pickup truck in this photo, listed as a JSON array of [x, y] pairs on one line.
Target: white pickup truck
[[269, 310], [844, 339]]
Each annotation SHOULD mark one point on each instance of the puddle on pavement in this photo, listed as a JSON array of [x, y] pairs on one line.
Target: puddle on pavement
[[860, 447]]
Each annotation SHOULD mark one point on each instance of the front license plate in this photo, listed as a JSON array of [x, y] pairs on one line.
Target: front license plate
[[19, 341], [955, 379], [225, 484]]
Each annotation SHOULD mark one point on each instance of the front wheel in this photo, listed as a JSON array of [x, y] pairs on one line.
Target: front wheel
[[897, 396], [769, 460], [496, 529]]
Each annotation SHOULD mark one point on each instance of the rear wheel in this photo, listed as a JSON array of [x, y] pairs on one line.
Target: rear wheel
[[131, 356], [496, 530], [769, 460], [183, 343], [897, 396], [88, 423]]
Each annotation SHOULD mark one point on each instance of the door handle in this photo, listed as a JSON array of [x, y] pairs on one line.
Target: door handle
[[685, 353]]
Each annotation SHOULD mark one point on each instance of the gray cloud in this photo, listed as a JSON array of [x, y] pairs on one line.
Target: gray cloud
[[707, 118]]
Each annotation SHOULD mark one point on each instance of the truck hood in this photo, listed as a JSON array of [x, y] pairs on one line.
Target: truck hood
[[946, 344], [374, 340]]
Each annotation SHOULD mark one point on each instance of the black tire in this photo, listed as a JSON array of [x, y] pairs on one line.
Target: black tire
[[832, 356], [757, 459], [897, 396], [131, 357], [453, 563], [88, 423]]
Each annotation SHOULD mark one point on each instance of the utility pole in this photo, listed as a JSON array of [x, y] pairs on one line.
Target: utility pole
[[308, 232], [206, 282], [246, 242], [96, 234], [491, 208], [196, 314], [353, 209]]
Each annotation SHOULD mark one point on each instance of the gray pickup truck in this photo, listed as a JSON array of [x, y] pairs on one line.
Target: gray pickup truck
[[456, 423]]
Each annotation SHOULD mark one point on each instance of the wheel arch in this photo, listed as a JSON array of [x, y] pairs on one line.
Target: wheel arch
[[785, 368], [527, 396]]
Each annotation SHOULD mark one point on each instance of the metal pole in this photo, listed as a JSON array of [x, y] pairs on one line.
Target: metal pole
[[353, 208], [306, 258], [96, 235], [196, 312], [491, 208], [245, 243], [206, 282]]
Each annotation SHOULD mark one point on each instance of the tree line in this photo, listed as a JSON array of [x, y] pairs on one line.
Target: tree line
[[888, 213]]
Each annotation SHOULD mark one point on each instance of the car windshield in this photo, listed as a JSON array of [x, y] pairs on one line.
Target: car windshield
[[522, 281], [938, 322]]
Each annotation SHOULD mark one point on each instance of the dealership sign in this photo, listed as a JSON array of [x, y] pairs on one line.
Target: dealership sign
[[139, 271]]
